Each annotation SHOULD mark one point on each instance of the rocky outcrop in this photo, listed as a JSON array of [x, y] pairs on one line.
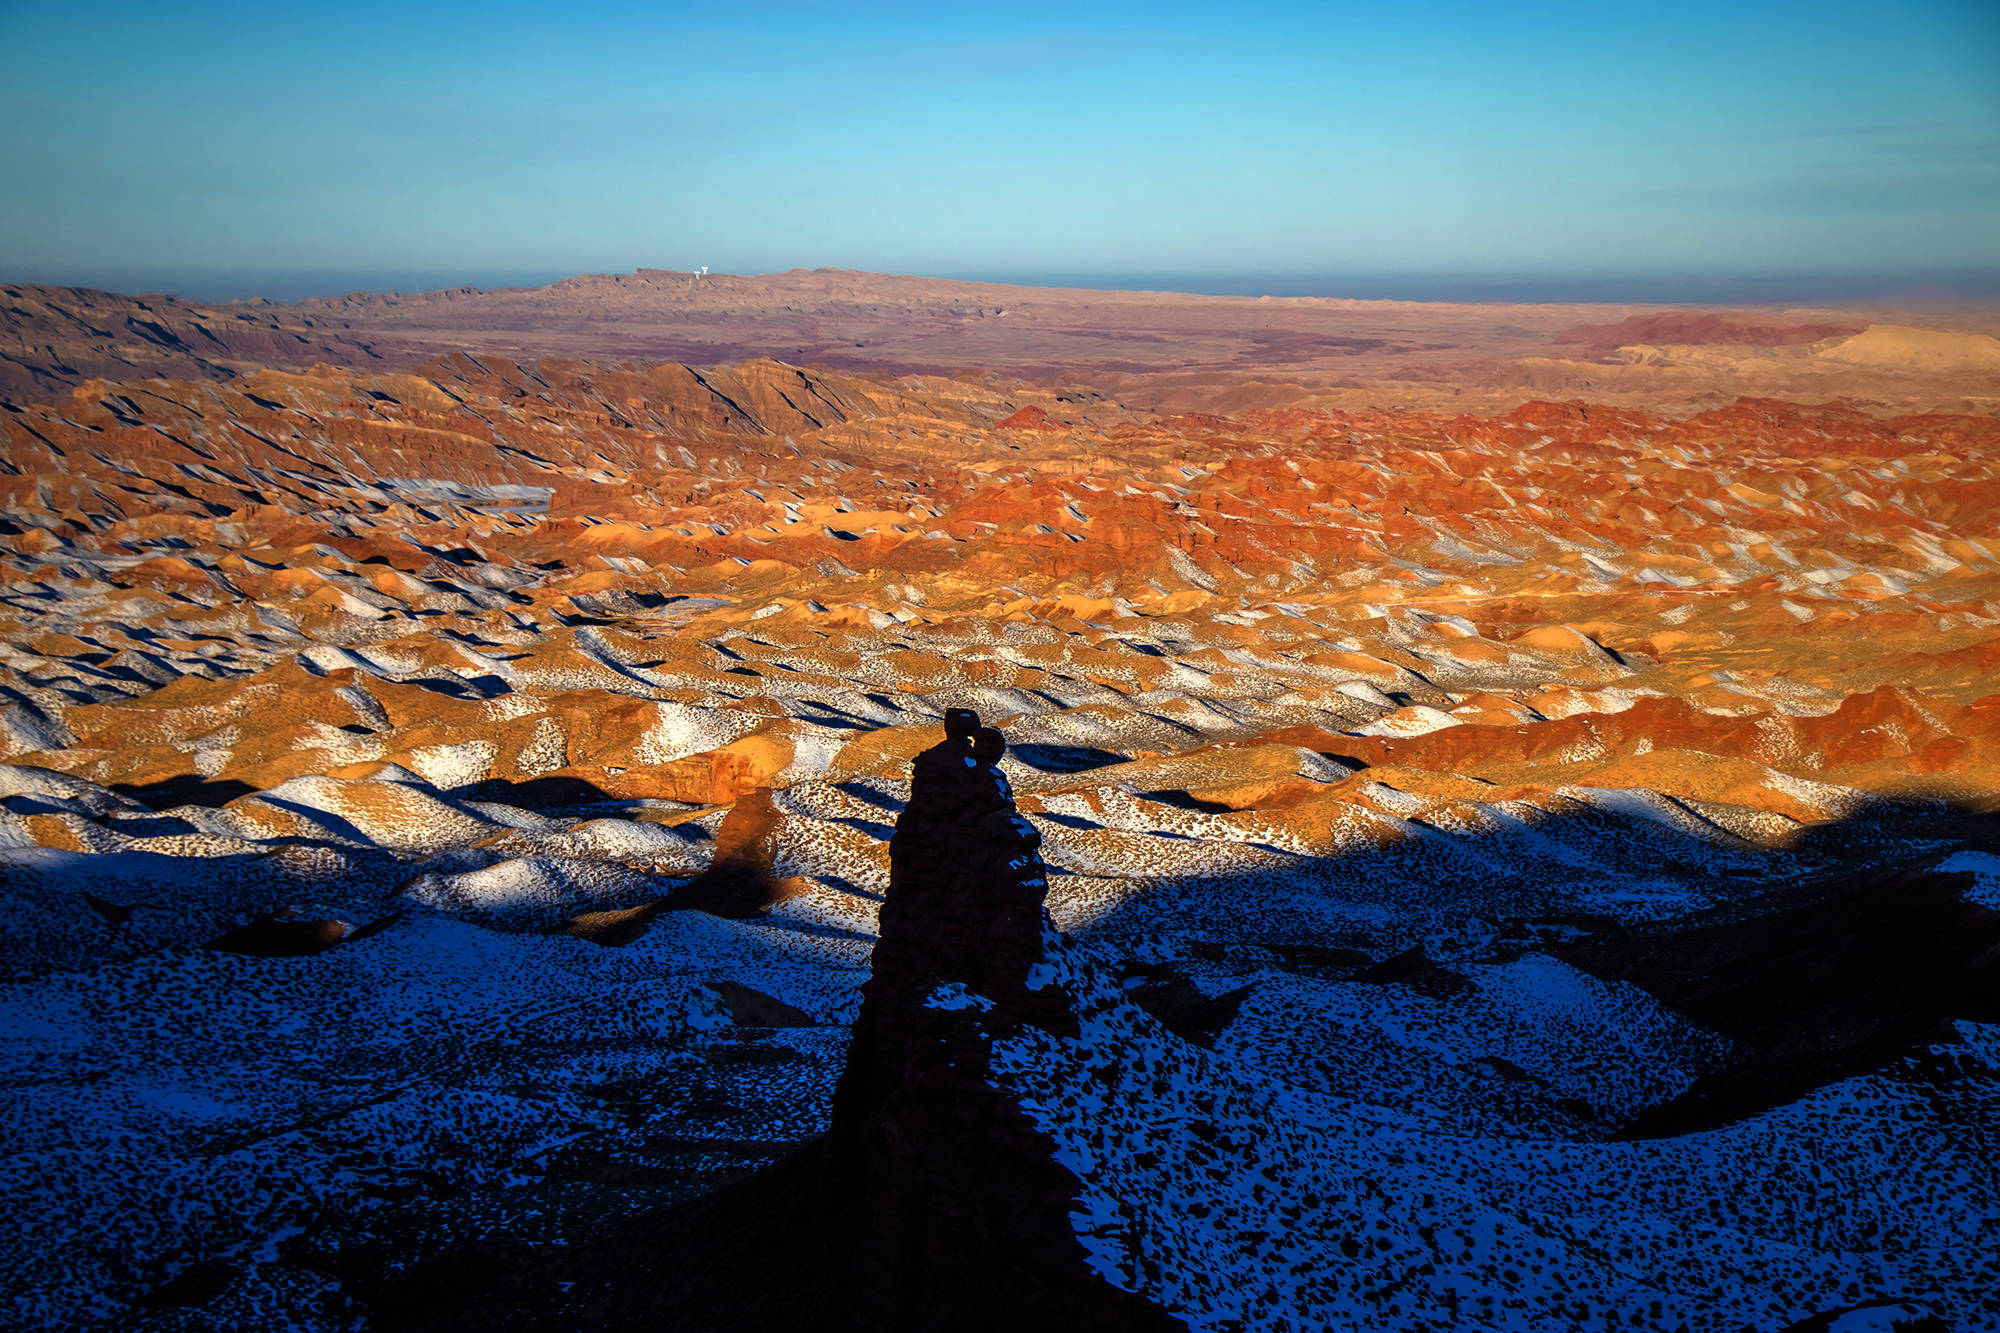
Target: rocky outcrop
[[963, 1195], [966, 886]]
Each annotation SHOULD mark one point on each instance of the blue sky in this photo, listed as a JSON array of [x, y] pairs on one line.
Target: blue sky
[[1599, 138]]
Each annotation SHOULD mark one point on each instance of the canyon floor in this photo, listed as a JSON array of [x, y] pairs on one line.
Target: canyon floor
[[1528, 863]]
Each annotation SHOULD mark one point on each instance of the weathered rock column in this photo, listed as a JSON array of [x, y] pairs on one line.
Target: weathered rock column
[[960, 1196]]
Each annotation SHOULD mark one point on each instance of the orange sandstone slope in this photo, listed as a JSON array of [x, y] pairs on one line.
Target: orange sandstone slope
[[656, 582]]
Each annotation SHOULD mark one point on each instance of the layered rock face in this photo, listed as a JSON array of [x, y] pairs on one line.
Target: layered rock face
[[965, 1202]]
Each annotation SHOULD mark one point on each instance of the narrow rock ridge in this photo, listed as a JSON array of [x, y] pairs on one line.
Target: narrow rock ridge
[[963, 1199]]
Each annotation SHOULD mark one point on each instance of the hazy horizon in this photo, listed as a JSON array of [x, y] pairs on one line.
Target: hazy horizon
[[1980, 286]]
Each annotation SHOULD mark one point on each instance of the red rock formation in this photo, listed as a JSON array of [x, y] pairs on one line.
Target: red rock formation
[[1032, 417]]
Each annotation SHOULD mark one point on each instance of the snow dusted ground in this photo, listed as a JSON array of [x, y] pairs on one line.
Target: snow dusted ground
[[170, 1109], [1242, 1198], [1985, 867], [196, 1139]]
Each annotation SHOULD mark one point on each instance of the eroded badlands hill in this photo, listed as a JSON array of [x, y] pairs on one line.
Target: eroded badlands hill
[[53, 337], [1371, 752]]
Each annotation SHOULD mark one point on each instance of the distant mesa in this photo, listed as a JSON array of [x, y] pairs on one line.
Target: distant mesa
[[1894, 345], [1160, 352], [1694, 329]]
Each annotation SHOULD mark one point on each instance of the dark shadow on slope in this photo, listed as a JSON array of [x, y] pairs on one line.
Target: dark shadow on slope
[[1838, 956], [934, 1202], [1834, 958], [488, 686], [1414, 968], [184, 789], [842, 884], [1181, 1008], [1324, 961], [1894, 1315], [1183, 800], [749, 1007], [868, 795], [556, 793], [827, 715], [1877, 964], [1065, 758], [337, 828], [1074, 823]]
